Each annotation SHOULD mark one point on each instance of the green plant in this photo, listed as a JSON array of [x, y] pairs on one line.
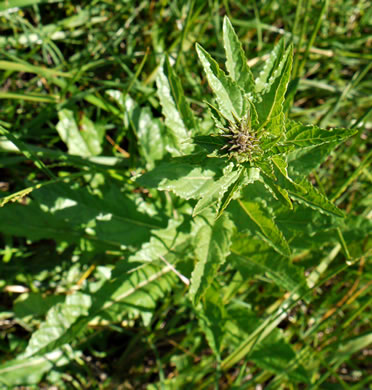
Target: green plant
[[219, 240]]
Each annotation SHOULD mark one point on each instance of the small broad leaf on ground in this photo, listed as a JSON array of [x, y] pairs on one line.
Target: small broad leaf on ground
[[151, 136], [84, 141], [212, 246]]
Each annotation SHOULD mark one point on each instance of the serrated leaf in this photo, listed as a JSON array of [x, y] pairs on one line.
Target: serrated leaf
[[228, 94], [129, 290], [313, 198], [236, 62], [309, 135], [303, 161], [270, 107], [271, 64], [162, 243], [246, 176], [216, 191], [179, 118], [211, 319], [254, 206], [212, 247]]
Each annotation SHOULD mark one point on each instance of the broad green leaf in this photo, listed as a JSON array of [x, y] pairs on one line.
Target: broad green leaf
[[212, 246], [211, 317], [216, 191], [130, 290], [255, 258], [309, 135], [151, 137], [58, 320], [229, 96], [236, 62], [184, 178], [270, 107], [246, 177], [271, 64], [70, 214], [30, 371], [256, 208], [179, 118], [163, 242], [85, 141], [92, 134], [304, 160], [313, 198]]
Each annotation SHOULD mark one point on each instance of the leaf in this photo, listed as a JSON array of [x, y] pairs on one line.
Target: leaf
[[236, 62], [212, 246], [59, 319], [303, 161], [211, 318], [151, 137], [253, 257], [246, 176], [228, 94], [216, 191], [66, 213], [313, 198], [271, 64], [272, 353], [270, 107], [184, 177], [163, 242], [131, 289], [86, 142], [256, 208], [179, 118], [310, 135], [29, 371]]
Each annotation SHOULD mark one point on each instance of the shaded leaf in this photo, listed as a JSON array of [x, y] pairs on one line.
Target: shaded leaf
[[212, 246]]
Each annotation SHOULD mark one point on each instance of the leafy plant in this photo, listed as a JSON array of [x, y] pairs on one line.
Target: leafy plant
[[207, 247]]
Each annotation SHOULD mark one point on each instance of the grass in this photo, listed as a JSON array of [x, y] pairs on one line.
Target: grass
[[96, 59]]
